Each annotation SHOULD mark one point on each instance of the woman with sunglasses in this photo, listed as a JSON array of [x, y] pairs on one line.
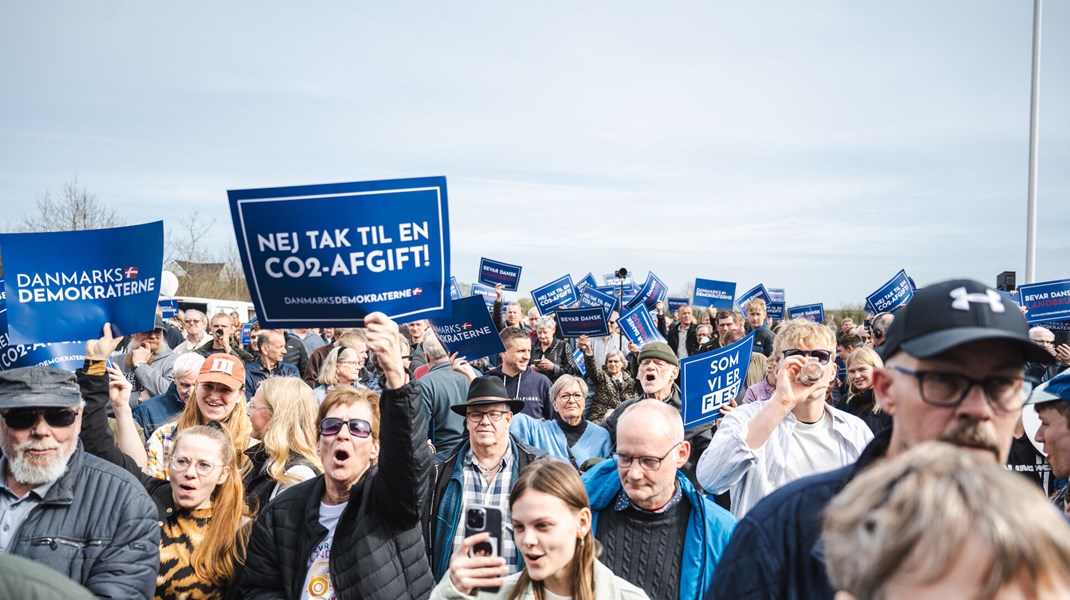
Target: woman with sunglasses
[[283, 416], [201, 509], [353, 532], [551, 521]]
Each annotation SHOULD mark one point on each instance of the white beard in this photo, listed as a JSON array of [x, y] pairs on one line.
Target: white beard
[[30, 474]]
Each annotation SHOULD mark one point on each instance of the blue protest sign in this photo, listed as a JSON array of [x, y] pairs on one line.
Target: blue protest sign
[[775, 311], [653, 291], [492, 272], [676, 304], [455, 289], [630, 292], [554, 295], [247, 331], [581, 364], [895, 292], [469, 330], [717, 294], [776, 294], [594, 296], [168, 308], [813, 312], [69, 356], [586, 282], [712, 380], [1057, 325], [66, 285], [639, 327], [486, 292], [575, 322], [1044, 302], [611, 279], [327, 255], [757, 291]]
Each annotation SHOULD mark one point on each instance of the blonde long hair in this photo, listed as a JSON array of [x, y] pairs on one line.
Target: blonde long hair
[[560, 480], [215, 559], [292, 428], [236, 425]]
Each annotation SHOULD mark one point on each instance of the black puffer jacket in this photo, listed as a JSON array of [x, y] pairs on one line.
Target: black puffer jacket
[[378, 550]]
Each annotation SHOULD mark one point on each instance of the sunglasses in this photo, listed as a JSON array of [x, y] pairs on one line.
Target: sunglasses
[[357, 427], [25, 418], [822, 356]]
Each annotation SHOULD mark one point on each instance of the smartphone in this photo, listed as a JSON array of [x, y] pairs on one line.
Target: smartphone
[[478, 519]]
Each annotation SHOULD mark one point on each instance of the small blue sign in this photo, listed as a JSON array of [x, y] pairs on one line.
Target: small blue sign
[[593, 296], [813, 312], [776, 294], [587, 281], [578, 360], [486, 292], [1044, 302], [69, 356], [168, 308], [327, 255], [639, 327], [775, 311], [717, 294], [895, 293], [65, 285], [469, 330], [712, 380], [247, 331], [611, 279], [575, 322], [455, 289], [492, 272], [554, 295], [757, 291], [653, 291], [676, 304]]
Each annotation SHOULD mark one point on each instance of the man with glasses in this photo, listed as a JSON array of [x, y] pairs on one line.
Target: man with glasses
[[954, 363], [480, 471], [80, 515], [196, 331], [656, 530], [761, 446], [1038, 372]]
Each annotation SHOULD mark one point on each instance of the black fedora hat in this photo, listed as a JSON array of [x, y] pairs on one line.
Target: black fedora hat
[[487, 390]]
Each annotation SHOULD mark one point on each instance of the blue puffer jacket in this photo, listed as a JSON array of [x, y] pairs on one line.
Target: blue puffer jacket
[[708, 528], [776, 551]]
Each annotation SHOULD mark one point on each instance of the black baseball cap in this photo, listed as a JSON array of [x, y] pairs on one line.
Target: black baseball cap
[[949, 314], [38, 387]]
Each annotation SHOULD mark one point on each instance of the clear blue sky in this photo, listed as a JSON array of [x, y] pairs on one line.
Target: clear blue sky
[[816, 146]]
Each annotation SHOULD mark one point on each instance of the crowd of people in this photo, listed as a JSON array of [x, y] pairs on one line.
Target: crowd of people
[[872, 460]]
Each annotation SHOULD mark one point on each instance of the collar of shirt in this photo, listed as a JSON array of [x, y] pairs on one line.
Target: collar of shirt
[[40, 491], [623, 502], [506, 462]]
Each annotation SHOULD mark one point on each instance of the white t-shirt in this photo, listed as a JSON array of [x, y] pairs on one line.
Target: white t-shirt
[[813, 449], [318, 584]]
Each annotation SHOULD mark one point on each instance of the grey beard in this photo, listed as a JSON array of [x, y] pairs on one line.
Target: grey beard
[[28, 474]]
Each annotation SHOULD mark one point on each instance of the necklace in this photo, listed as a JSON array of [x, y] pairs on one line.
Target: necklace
[[488, 473]]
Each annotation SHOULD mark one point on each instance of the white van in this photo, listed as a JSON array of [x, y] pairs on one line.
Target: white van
[[212, 306]]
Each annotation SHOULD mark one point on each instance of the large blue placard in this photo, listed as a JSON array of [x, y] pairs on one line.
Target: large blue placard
[[69, 356], [895, 293], [486, 292], [469, 330], [587, 281], [639, 327], [653, 291], [813, 312], [1044, 302], [593, 296], [327, 255], [590, 320], [65, 285], [554, 295], [717, 294], [712, 380], [757, 291], [492, 272]]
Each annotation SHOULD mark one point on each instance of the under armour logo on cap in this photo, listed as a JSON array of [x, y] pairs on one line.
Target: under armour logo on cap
[[961, 299]]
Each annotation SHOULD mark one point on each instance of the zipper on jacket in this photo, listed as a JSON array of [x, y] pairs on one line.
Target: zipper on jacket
[[55, 542]]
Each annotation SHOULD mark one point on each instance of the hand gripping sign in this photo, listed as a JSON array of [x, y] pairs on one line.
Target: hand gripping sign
[[327, 255]]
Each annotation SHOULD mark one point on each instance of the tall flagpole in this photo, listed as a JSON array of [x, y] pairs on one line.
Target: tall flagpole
[[1034, 118]]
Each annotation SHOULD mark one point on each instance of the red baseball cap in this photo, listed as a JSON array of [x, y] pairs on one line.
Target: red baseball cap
[[223, 368]]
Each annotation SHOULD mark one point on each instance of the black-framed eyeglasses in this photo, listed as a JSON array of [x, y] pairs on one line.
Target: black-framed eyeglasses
[[25, 418], [476, 416], [180, 464], [947, 390], [822, 356], [357, 427], [649, 463]]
